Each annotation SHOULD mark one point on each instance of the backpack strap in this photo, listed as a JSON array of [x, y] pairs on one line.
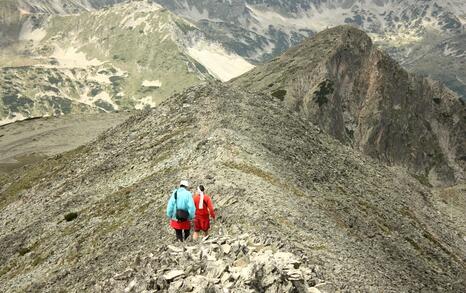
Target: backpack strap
[[205, 204], [176, 197]]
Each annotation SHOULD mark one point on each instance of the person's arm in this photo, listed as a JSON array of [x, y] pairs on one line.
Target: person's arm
[[210, 205], [171, 205], [191, 207]]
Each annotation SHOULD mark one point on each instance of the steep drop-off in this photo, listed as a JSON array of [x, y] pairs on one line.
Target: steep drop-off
[[340, 81]]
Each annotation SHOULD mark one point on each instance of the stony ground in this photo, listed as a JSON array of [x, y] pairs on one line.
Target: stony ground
[[217, 264], [78, 219]]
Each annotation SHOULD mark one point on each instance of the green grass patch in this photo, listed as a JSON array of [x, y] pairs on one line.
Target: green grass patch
[[414, 244], [325, 88], [422, 179], [71, 216], [24, 250], [279, 94]]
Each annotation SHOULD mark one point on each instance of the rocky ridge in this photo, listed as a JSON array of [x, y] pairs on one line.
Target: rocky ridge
[[79, 218], [217, 264], [340, 81]]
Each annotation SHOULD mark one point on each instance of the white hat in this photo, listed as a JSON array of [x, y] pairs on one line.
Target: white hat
[[184, 183]]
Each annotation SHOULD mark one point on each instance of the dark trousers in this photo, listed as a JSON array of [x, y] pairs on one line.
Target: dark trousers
[[179, 234]]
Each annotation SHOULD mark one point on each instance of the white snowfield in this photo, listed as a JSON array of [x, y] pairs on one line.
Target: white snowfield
[[29, 33], [147, 101], [71, 58], [13, 117], [151, 83], [220, 63]]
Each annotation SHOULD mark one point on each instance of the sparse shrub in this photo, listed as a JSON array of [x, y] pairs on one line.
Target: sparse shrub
[[71, 216], [24, 250], [325, 88], [279, 94]]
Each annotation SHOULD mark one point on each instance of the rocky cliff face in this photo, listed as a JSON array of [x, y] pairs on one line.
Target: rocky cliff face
[[88, 220], [342, 82]]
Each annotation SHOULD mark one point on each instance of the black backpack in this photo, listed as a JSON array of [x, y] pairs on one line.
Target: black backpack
[[180, 215]]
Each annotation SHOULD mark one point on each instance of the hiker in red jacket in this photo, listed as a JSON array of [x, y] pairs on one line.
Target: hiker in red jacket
[[204, 208]]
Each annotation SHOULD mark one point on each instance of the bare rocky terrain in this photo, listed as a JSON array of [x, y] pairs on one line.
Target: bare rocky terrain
[[93, 217]]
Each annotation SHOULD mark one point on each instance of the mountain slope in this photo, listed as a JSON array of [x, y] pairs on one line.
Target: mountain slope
[[131, 55], [342, 82], [15, 13], [359, 224], [261, 30], [61, 6]]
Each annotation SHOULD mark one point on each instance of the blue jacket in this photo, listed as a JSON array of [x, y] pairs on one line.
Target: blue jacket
[[184, 202]]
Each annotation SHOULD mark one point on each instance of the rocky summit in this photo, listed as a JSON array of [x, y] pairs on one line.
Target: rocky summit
[[354, 91], [318, 215]]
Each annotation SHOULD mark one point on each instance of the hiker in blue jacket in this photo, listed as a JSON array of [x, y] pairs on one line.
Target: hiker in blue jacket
[[181, 210]]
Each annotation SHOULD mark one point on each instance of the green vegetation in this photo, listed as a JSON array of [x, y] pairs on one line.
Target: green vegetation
[[429, 235], [279, 94], [423, 179], [24, 250], [414, 244], [325, 88], [184, 26], [71, 216]]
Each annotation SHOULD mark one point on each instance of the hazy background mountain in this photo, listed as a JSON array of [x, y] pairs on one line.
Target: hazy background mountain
[[123, 57], [136, 54], [424, 36]]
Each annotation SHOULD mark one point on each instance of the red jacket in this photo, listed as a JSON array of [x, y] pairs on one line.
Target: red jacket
[[207, 209]]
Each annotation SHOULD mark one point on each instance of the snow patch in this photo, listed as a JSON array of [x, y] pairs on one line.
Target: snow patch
[[220, 63], [28, 33], [193, 13], [91, 100], [164, 38], [101, 78], [152, 83], [314, 19], [71, 58], [104, 96], [144, 102], [13, 117]]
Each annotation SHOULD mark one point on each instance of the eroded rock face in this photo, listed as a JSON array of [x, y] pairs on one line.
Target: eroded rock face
[[361, 96], [357, 224]]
